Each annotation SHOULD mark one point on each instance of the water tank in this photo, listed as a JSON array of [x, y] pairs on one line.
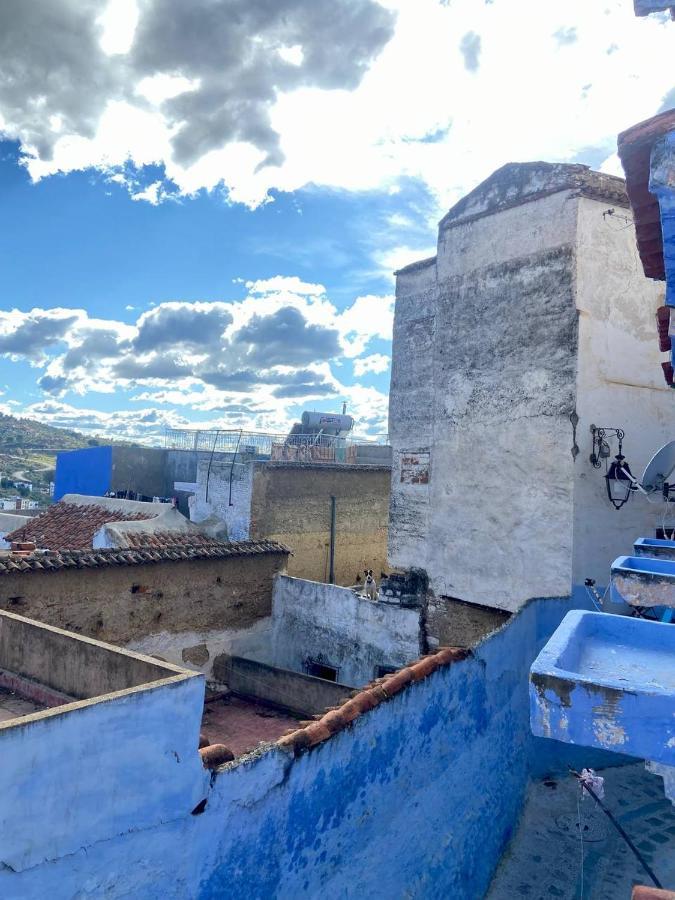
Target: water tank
[[328, 423]]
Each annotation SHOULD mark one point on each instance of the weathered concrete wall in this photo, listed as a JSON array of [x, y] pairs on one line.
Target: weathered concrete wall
[[81, 668], [455, 623], [78, 774], [340, 628], [153, 607], [534, 309], [291, 504], [302, 694], [493, 392], [619, 383], [140, 469], [199, 648], [321, 824]]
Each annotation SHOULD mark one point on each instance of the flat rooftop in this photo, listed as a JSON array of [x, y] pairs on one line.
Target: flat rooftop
[[544, 857], [14, 706], [242, 724]]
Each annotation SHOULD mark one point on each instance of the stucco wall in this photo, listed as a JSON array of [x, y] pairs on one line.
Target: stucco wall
[[492, 397], [442, 767], [342, 629], [619, 383], [291, 504], [161, 608], [532, 311]]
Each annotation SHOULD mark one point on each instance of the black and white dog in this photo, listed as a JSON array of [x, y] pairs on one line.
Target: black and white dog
[[370, 586]]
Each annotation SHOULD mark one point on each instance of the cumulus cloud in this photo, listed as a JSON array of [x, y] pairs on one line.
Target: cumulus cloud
[[194, 325], [285, 337], [30, 335], [220, 92], [265, 353], [203, 75]]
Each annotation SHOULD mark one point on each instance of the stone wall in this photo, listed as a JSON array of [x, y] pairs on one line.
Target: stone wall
[[291, 504], [185, 612], [336, 627]]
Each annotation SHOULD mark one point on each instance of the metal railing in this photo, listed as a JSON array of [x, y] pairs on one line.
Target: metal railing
[[277, 447]]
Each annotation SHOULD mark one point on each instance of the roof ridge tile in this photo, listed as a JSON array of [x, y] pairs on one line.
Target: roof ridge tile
[[330, 722]]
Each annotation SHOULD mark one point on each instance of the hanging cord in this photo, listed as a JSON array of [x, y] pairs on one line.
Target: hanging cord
[[587, 787]]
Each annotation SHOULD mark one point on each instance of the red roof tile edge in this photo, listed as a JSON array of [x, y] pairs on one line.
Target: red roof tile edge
[[55, 560], [362, 701]]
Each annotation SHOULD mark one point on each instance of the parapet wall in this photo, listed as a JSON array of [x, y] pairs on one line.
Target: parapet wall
[[439, 768], [324, 623]]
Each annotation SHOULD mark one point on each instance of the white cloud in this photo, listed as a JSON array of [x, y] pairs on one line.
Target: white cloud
[[256, 358], [368, 317], [376, 363], [378, 108]]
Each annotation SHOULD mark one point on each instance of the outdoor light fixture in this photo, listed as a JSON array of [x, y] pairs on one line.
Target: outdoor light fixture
[[618, 478], [619, 481]]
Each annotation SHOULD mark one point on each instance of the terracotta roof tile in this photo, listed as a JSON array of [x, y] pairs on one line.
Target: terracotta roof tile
[[54, 560], [379, 691], [159, 539], [68, 526]]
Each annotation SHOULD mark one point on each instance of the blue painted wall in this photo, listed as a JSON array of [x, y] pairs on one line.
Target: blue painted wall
[[661, 183], [418, 798], [86, 471]]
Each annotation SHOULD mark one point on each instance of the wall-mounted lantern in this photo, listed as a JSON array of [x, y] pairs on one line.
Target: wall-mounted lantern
[[619, 485], [618, 477]]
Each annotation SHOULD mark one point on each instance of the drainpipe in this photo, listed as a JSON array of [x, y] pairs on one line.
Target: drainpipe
[[331, 569]]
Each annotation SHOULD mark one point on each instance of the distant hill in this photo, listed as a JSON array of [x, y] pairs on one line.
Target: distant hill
[[27, 434], [28, 453]]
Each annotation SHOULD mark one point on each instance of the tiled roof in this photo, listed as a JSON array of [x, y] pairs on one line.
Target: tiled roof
[[68, 526], [362, 701], [52, 561], [635, 147], [161, 539]]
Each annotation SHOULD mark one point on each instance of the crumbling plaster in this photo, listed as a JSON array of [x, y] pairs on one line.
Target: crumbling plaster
[[496, 344]]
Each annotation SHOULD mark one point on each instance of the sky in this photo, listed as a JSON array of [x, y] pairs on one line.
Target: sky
[[204, 203]]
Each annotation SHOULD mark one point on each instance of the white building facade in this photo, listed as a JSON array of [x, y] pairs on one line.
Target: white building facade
[[532, 323]]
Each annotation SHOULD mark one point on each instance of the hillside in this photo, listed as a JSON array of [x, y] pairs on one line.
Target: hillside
[[28, 452], [27, 434]]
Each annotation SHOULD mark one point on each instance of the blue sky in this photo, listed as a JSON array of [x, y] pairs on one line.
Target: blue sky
[[201, 221]]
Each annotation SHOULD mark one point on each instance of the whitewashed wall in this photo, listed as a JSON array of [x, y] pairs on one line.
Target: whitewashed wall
[[490, 361], [231, 506], [619, 383]]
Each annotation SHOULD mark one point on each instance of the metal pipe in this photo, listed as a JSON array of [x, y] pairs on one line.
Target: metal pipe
[[236, 450], [331, 568], [618, 827]]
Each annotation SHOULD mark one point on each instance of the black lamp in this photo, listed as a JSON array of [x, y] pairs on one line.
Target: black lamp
[[619, 480]]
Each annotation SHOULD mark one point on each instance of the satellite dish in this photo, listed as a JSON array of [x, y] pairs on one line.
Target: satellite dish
[[659, 469]]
